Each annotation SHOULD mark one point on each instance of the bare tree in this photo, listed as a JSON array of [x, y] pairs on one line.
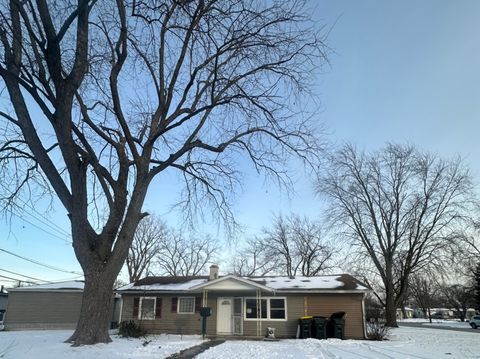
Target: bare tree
[[150, 233], [459, 297], [105, 96], [424, 290], [298, 245], [182, 256], [251, 260], [403, 210], [292, 246]]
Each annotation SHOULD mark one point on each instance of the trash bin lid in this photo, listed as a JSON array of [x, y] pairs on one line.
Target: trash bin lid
[[306, 317], [337, 315]]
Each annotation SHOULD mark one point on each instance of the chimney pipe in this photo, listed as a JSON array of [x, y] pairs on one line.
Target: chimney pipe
[[213, 272]]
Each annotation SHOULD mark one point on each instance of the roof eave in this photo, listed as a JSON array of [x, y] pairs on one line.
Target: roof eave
[[325, 291]]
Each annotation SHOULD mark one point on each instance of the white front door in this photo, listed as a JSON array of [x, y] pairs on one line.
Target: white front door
[[224, 315]]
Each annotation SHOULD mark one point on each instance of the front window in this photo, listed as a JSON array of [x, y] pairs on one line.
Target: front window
[[277, 308], [186, 305], [147, 308], [252, 310], [266, 308]]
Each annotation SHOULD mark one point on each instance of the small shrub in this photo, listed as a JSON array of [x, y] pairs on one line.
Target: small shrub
[[130, 329], [377, 331]]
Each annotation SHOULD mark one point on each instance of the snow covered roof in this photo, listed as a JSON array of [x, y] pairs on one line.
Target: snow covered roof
[[168, 284], [75, 285], [325, 283]]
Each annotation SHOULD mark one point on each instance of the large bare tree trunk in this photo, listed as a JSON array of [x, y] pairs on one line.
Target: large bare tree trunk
[[96, 308], [390, 309]]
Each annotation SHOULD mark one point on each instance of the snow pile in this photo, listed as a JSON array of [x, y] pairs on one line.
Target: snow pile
[[48, 344]]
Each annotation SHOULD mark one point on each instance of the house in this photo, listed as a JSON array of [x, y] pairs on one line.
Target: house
[[48, 306], [242, 306], [409, 313], [3, 302]]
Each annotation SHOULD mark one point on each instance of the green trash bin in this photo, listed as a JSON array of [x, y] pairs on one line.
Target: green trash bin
[[339, 328], [319, 327], [305, 324]]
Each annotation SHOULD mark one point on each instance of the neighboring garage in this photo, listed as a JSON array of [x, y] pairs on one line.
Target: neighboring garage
[[46, 306]]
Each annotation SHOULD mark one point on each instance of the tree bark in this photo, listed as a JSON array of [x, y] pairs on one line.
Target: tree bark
[[96, 308], [390, 309]]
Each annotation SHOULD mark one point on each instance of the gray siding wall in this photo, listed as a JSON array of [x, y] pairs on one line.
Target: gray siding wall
[[42, 310]]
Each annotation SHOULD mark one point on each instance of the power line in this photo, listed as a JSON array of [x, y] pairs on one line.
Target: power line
[[17, 280], [25, 276], [44, 230], [37, 217], [50, 224], [39, 263]]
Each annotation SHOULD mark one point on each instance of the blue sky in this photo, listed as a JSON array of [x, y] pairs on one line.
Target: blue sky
[[402, 71]]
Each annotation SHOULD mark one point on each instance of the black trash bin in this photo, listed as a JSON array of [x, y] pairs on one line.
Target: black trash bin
[[336, 325], [319, 327], [305, 324]]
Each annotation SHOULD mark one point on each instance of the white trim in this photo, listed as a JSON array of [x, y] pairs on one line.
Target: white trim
[[121, 310], [193, 307], [268, 310], [140, 301], [230, 276], [363, 317]]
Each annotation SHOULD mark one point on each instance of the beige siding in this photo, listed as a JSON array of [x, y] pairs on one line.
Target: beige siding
[[351, 304], [297, 306], [39, 310], [169, 322], [283, 328]]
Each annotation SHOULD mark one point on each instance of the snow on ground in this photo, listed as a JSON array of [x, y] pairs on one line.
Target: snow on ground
[[452, 323], [404, 343], [48, 344]]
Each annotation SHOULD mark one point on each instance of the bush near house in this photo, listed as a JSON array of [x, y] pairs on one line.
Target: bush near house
[[130, 329]]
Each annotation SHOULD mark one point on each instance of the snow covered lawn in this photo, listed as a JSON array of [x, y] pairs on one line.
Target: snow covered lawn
[[48, 344], [452, 323], [405, 343]]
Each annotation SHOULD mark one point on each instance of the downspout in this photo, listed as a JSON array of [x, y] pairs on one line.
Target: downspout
[[258, 313], [363, 316], [260, 333], [121, 310]]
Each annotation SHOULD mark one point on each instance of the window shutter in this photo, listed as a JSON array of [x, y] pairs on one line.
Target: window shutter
[[158, 308], [198, 302], [136, 302], [174, 304]]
